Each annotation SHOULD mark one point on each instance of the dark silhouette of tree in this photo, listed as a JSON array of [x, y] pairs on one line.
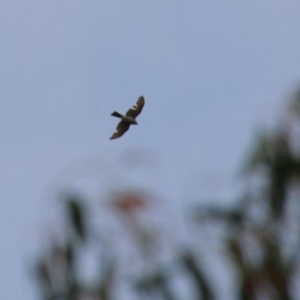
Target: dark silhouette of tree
[[258, 236]]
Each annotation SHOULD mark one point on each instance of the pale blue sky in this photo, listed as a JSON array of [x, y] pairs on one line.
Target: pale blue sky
[[210, 73]]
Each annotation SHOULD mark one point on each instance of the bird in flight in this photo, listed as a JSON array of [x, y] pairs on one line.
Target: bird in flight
[[128, 119]]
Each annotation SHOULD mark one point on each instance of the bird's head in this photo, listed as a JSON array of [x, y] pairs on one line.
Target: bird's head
[[135, 122]]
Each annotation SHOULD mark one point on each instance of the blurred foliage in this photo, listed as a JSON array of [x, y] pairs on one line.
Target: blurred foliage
[[258, 236]]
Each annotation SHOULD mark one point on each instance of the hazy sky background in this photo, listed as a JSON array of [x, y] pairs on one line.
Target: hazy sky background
[[211, 72]]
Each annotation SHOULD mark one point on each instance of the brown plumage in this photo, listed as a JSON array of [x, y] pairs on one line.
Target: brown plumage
[[128, 119]]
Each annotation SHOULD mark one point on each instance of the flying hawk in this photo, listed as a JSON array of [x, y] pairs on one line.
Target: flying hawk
[[128, 119]]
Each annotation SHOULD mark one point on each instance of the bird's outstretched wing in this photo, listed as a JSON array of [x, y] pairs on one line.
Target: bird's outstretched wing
[[122, 127], [137, 108]]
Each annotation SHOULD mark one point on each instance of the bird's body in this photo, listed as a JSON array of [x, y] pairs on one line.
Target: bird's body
[[125, 118], [128, 119]]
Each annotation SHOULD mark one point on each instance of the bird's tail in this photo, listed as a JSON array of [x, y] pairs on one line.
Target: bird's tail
[[116, 114]]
